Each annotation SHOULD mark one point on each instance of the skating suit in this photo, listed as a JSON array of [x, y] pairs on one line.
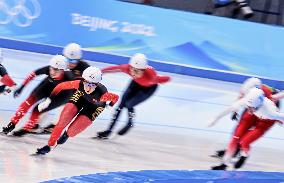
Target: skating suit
[[86, 106]]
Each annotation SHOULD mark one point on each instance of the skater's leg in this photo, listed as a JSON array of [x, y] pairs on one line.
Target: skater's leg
[[261, 128], [30, 125], [23, 108], [21, 111], [246, 122], [130, 91], [68, 113], [79, 125], [136, 99]]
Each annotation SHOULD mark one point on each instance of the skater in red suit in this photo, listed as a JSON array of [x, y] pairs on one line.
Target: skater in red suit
[[89, 100], [6, 82], [144, 83], [246, 86], [56, 74], [261, 114]]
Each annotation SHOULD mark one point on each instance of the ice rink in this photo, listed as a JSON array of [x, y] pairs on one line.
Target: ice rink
[[170, 131]]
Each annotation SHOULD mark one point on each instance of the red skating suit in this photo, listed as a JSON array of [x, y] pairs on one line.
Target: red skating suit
[[253, 125], [86, 107], [148, 79]]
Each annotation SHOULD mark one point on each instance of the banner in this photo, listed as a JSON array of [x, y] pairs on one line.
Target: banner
[[167, 36]]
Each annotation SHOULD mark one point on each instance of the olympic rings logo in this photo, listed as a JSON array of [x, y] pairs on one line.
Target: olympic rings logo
[[19, 14]]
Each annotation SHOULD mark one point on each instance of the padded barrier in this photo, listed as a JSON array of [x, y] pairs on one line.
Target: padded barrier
[[116, 59], [177, 176]]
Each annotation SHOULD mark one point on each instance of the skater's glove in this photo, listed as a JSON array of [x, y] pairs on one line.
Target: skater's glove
[[109, 105], [18, 91], [235, 116], [43, 105], [9, 89], [279, 123]]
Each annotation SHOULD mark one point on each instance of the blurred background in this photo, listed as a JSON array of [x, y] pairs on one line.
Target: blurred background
[[208, 47], [262, 11]]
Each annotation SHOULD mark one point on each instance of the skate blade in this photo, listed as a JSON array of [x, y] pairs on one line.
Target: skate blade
[[215, 156], [3, 134], [9, 135], [111, 137], [100, 138], [37, 155], [39, 133]]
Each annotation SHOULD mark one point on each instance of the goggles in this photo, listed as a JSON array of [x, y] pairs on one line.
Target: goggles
[[89, 84], [72, 61]]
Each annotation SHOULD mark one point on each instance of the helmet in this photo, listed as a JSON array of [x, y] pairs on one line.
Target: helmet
[[58, 62], [72, 51], [138, 61], [92, 74], [250, 83], [254, 98]]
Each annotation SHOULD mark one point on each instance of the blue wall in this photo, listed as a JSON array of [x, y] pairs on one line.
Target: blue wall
[[179, 42]]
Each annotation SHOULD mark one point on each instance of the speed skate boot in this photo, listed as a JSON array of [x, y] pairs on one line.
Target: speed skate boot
[[129, 125], [125, 129], [219, 154], [22, 132], [44, 150], [63, 138], [48, 129], [8, 128], [103, 134], [241, 162], [219, 167]]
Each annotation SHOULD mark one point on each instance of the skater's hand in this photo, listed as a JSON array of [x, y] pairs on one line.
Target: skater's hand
[[43, 105], [9, 89], [279, 123], [109, 105], [235, 116], [18, 91]]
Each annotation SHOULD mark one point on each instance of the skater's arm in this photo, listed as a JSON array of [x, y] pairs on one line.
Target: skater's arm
[[118, 68], [153, 78], [67, 85], [278, 96], [113, 98], [7, 80], [273, 113], [163, 79], [44, 70], [233, 108]]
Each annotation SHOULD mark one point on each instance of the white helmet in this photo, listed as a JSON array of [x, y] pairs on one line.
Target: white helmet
[[72, 51], [58, 62], [138, 61], [92, 74], [254, 98], [250, 83]]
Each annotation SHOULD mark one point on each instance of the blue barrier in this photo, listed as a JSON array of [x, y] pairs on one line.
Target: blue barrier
[[116, 59], [177, 176]]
